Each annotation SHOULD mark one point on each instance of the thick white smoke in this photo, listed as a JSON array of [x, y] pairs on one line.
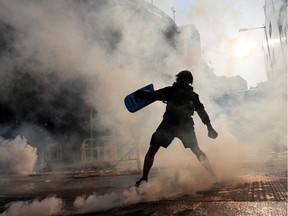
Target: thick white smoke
[[182, 182], [70, 38], [46, 207], [94, 203], [17, 156], [117, 51]]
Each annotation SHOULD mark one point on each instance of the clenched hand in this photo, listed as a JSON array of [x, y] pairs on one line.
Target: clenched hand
[[211, 132]]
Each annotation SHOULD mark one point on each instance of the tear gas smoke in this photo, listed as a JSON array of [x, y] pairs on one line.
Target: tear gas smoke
[[94, 203], [220, 33], [63, 57], [46, 207], [17, 156], [178, 183], [54, 44]]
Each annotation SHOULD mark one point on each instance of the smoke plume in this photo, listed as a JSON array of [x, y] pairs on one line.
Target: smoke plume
[[60, 59], [17, 156], [46, 207]]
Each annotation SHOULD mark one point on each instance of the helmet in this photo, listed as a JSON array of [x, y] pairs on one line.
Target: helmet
[[185, 76]]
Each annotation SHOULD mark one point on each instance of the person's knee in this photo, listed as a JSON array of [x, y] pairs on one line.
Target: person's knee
[[151, 153], [198, 152], [202, 157], [153, 150]]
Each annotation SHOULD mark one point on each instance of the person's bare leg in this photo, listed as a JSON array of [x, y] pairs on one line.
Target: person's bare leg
[[204, 161], [148, 163]]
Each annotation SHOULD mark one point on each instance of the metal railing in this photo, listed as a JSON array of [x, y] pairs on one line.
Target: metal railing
[[105, 153]]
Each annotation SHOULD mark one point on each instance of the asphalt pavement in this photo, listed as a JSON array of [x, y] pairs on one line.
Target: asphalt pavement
[[260, 190]]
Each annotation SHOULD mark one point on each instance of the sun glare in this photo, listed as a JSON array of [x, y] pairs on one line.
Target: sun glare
[[241, 48]]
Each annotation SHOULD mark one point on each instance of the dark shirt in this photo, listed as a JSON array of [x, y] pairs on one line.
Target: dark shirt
[[181, 100]]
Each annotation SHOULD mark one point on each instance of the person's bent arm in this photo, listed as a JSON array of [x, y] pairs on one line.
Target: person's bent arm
[[205, 118]]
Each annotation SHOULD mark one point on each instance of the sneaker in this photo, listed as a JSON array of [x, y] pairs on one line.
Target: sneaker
[[137, 184]]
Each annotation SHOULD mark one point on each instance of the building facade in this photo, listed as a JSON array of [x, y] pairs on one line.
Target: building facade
[[276, 32]]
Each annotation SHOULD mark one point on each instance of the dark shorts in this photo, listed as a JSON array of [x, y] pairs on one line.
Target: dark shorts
[[167, 131]]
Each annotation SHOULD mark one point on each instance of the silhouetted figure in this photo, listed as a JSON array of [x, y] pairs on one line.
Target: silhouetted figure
[[177, 121]]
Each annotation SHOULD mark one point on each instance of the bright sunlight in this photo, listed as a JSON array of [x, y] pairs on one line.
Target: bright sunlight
[[242, 48]]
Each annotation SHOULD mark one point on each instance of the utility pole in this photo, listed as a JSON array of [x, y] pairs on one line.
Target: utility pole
[[173, 11]]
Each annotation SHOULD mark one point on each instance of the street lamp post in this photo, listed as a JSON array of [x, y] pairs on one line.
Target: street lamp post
[[266, 37], [246, 29]]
